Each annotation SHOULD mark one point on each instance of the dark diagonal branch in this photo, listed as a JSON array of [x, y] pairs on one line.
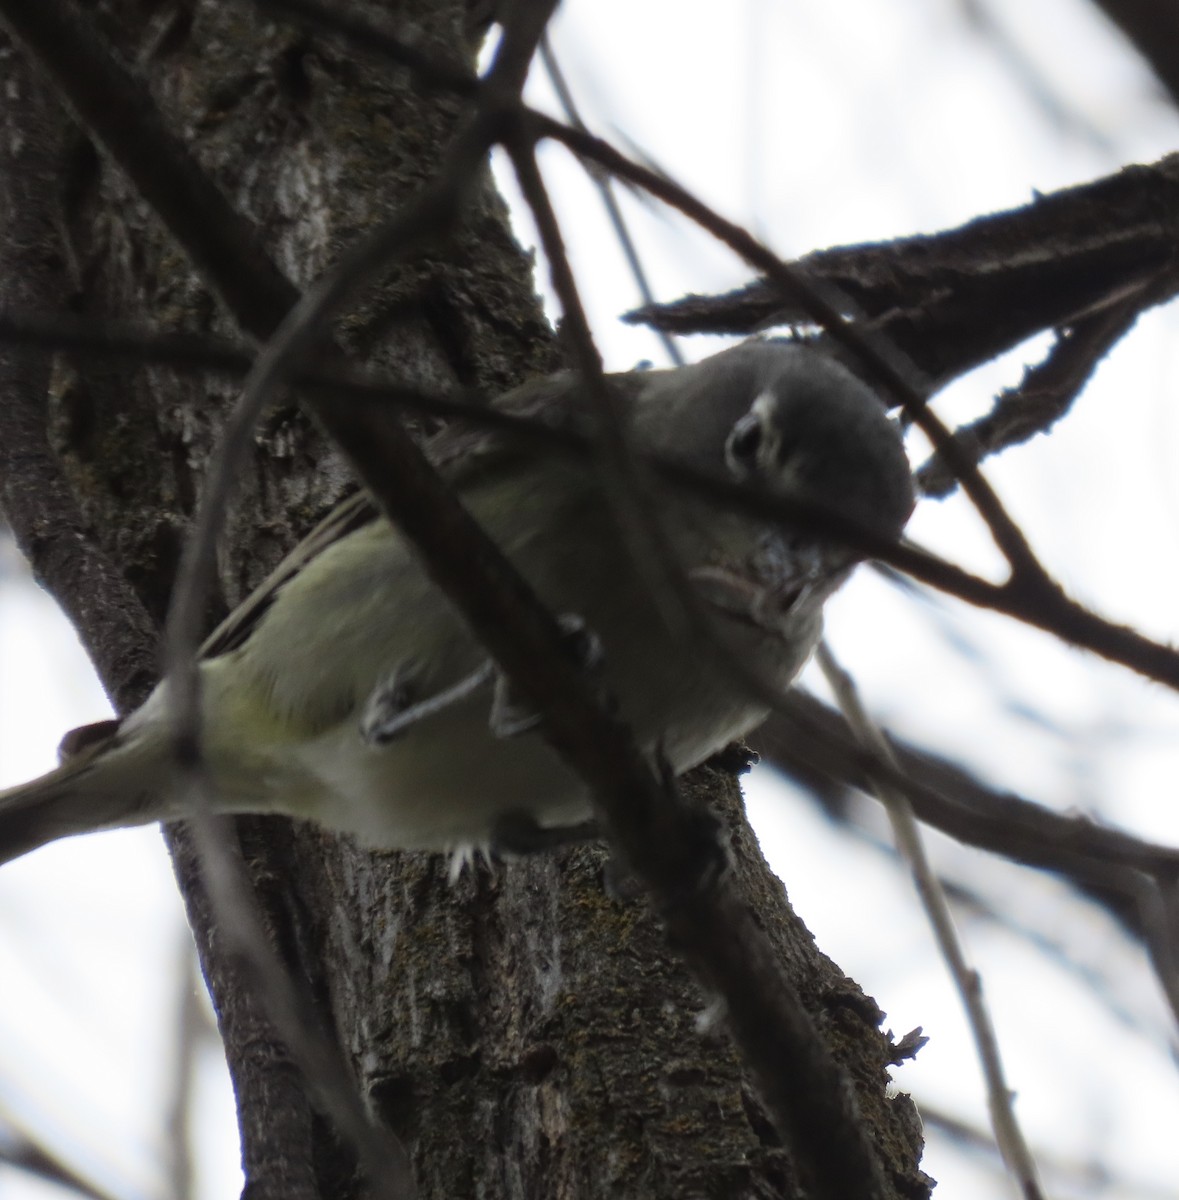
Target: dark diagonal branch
[[952, 300], [605, 187], [1043, 397], [523, 638], [875, 356], [806, 1090], [1051, 611], [117, 110], [1153, 30], [1009, 1135], [811, 743]]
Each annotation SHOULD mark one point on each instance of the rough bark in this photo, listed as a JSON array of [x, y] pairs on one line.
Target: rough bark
[[523, 1033]]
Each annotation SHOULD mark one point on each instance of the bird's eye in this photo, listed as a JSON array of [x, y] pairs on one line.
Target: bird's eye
[[744, 442]]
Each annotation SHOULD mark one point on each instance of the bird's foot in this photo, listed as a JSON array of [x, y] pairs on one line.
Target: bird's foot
[[516, 834], [394, 706], [511, 715], [734, 759]]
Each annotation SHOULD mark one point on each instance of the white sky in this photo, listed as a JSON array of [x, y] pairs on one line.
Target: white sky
[[820, 124]]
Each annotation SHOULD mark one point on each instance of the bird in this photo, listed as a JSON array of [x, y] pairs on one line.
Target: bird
[[347, 691]]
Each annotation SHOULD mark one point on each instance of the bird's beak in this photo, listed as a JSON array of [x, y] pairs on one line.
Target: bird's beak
[[771, 603]]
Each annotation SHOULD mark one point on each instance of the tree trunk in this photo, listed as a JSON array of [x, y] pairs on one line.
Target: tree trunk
[[524, 1033]]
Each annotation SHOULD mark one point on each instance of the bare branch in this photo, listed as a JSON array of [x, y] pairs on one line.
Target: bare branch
[[810, 742], [1153, 30], [966, 979], [947, 300], [609, 201], [118, 111], [37, 500], [808, 1094], [1045, 395], [879, 356], [21, 1151]]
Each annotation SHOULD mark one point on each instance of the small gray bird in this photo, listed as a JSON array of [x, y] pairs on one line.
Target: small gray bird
[[347, 691]]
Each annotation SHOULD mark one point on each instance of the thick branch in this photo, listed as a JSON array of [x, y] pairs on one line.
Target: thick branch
[[524, 640], [36, 499], [956, 299], [1045, 607], [810, 742]]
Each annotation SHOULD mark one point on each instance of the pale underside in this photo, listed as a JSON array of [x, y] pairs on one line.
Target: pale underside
[[442, 783]]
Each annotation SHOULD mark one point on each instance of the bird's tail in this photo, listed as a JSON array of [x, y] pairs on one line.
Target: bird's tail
[[108, 783]]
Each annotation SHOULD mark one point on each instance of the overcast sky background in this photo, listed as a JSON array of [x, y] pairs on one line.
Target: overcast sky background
[[817, 124]]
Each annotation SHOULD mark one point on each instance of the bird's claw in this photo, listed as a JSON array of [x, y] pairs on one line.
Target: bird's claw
[[517, 833], [393, 707], [511, 715]]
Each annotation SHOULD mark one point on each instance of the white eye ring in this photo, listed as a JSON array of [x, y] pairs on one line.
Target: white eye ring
[[744, 443]]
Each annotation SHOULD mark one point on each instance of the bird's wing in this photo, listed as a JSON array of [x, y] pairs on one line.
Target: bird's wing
[[357, 510], [462, 452], [465, 450]]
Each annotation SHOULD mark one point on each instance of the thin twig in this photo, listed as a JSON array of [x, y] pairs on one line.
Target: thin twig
[[626, 481], [1051, 611], [1158, 908], [602, 182], [287, 1004], [883, 361], [907, 831], [1084, 1178], [841, 1161], [1046, 394], [178, 1118], [1106, 983], [23, 1152]]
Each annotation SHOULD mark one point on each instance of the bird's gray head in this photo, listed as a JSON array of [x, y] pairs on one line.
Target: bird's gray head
[[794, 421]]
